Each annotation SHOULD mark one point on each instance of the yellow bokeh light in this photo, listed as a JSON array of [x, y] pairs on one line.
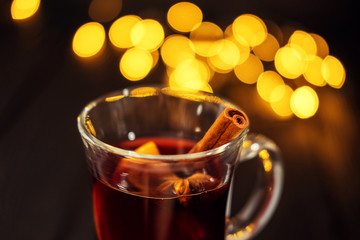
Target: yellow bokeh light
[[313, 72], [305, 41], [267, 49], [277, 93], [175, 49], [250, 70], [266, 83], [227, 57], [207, 39], [243, 49], [275, 30], [22, 9], [192, 74], [155, 55], [282, 106], [136, 63], [120, 31], [249, 30], [147, 34], [290, 62], [333, 72], [184, 16], [104, 10], [216, 65], [304, 102], [321, 45], [88, 39]]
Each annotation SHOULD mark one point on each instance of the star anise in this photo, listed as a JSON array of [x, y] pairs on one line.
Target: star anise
[[183, 187]]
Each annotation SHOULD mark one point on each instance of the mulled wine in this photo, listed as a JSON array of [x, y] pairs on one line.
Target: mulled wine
[[140, 202]]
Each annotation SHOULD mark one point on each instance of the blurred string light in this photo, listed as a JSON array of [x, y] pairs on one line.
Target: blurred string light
[[244, 50], [207, 39], [184, 17], [267, 82], [227, 57], [333, 71], [321, 45], [304, 41], [147, 34], [191, 73], [281, 105], [198, 49], [304, 102], [249, 30], [120, 31], [23, 9], [176, 49], [89, 39], [313, 72], [104, 10], [267, 49], [250, 70], [290, 61], [136, 63]]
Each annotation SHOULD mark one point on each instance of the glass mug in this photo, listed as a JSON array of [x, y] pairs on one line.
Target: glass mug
[[174, 195]]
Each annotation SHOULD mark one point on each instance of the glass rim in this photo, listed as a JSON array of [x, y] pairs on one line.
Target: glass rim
[[81, 122]]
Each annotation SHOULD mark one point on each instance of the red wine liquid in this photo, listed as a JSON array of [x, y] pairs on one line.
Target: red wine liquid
[[124, 215]]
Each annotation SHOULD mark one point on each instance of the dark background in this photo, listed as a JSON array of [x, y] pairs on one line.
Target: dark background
[[44, 183]]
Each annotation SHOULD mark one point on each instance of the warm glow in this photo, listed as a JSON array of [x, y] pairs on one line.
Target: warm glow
[[206, 39], [304, 102], [267, 49], [120, 31], [104, 10], [321, 45], [89, 39], [184, 16], [249, 30], [266, 84], [313, 72], [333, 72], [282, 106], [227, 57], [290, 61], [193, 74], [147, 34], [136, 64], [22, 9], [305, 41], [175, 49], [250, 70]]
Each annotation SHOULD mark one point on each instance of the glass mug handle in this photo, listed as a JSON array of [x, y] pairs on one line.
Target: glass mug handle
[[266, 194]]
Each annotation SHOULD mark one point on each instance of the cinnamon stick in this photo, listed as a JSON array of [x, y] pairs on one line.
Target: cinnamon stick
[[229, 124]]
